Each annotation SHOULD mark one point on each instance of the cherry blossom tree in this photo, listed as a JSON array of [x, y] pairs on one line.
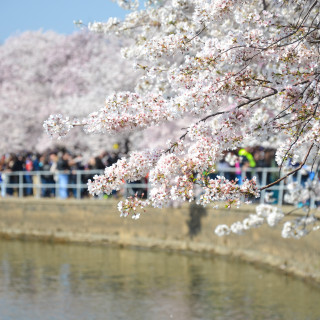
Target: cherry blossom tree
[[43, 73], [243, 71]]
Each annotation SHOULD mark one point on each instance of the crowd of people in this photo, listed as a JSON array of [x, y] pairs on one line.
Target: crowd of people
[[53, 168], [56, 171]]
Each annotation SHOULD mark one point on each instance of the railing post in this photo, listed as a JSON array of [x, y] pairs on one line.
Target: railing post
[[20, 184], [243, 175], [79, 174], [263, 183], [299, 177], [281, 191], [39, 184], [56, 175], [4, 177]]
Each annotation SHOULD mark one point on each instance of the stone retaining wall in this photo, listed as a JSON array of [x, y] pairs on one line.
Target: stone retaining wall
[[186, 228]]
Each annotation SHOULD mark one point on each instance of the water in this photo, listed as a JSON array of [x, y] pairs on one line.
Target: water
[[47, 282]]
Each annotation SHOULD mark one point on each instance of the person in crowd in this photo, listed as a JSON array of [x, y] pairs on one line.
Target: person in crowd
[[53, 161], [75, 164], [28, 177], [237, 165], [259, 158], [46, 178], [63, 169], [247, 161], [15, 164], [113, 158], [224, 167]]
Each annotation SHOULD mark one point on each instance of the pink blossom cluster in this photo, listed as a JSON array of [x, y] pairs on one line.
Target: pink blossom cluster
[[264, 213], [136, 167], [127, 111], [221, 189], [56, 125], [131, 206], [272, 214], [300, 227], [239, 227]]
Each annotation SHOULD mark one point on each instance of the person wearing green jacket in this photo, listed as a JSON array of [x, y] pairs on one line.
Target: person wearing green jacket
[[247, 161]]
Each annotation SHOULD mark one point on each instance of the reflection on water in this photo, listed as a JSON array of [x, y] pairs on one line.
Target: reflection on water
[[43, 281]]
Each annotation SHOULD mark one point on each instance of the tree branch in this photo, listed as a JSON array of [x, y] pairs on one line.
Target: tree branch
[[290, 173]]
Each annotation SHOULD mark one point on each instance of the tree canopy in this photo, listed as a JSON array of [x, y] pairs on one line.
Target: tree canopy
[[43, 73], [245, 72]]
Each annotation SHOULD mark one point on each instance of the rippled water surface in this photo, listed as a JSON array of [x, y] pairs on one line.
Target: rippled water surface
[[47, 282]]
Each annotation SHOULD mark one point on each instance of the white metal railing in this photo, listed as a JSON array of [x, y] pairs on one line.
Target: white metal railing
[[57, 184], [49, 184]]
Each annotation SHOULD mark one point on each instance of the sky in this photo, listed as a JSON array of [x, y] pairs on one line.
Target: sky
[[17, 16]]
